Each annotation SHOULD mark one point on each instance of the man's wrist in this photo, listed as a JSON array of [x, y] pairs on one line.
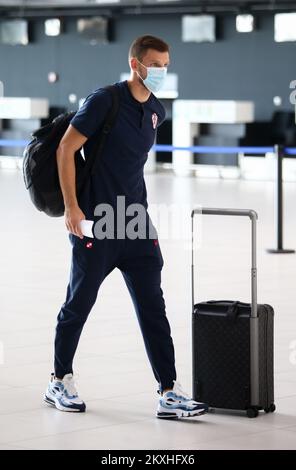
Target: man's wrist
[[71, 205]]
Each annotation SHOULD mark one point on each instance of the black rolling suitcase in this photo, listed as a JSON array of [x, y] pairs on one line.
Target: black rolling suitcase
[[232, 348]]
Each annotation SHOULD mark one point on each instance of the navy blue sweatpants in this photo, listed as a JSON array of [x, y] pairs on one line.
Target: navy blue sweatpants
[[140, 262]]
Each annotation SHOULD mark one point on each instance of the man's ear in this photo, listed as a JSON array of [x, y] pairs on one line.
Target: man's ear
[[133, 64]]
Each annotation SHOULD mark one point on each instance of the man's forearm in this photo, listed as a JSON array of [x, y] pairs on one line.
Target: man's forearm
[[67, 176]]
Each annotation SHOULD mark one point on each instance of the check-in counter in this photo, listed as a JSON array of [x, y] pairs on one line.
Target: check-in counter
[[23, 108], [188, 115], [22, 116]]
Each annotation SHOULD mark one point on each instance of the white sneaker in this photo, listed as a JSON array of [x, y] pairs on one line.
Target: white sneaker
[[63, 394], [177, 404]]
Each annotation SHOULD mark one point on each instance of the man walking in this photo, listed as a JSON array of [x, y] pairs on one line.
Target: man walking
[[118, 174]]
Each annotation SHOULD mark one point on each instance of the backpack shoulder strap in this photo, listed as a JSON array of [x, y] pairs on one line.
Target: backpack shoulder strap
[[112, 113], [91, 161]]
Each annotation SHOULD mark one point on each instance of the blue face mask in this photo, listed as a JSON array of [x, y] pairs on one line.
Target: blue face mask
[[155, 78]]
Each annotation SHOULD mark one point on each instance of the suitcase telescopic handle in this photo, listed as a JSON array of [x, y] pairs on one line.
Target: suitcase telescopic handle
[[234, 212]]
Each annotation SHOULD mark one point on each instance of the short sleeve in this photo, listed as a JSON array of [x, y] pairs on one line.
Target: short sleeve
[[91, 115]]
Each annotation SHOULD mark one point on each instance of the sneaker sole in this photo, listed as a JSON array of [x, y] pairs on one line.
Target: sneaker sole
[[180, 414], [60, 407]]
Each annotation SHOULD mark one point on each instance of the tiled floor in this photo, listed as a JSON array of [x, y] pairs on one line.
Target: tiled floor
[[114, 375]]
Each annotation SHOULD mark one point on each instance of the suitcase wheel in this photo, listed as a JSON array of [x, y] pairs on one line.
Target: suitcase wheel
[[252, 412], [270, 409]]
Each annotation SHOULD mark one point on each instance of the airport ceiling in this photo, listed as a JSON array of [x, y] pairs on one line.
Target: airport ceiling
[[64, 7]]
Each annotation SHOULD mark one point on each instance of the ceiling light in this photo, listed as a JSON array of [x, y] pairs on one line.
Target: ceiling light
[[52, 27], [284, 27], [245, 23], [107, 1]]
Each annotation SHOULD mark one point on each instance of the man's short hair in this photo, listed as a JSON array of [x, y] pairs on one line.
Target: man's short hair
[[140, 46]]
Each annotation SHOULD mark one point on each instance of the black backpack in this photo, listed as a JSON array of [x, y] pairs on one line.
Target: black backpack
[[40, 169]]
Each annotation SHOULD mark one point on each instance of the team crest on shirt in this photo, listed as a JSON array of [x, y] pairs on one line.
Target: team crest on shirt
[[154, 120]]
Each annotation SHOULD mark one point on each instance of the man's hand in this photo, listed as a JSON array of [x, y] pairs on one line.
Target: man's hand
[[73, 216]]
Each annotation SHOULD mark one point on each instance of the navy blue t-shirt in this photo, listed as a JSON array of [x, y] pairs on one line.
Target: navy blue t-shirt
[[120, 170]]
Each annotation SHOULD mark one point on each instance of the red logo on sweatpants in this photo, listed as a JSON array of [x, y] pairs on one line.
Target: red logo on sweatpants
[[89, 245]]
